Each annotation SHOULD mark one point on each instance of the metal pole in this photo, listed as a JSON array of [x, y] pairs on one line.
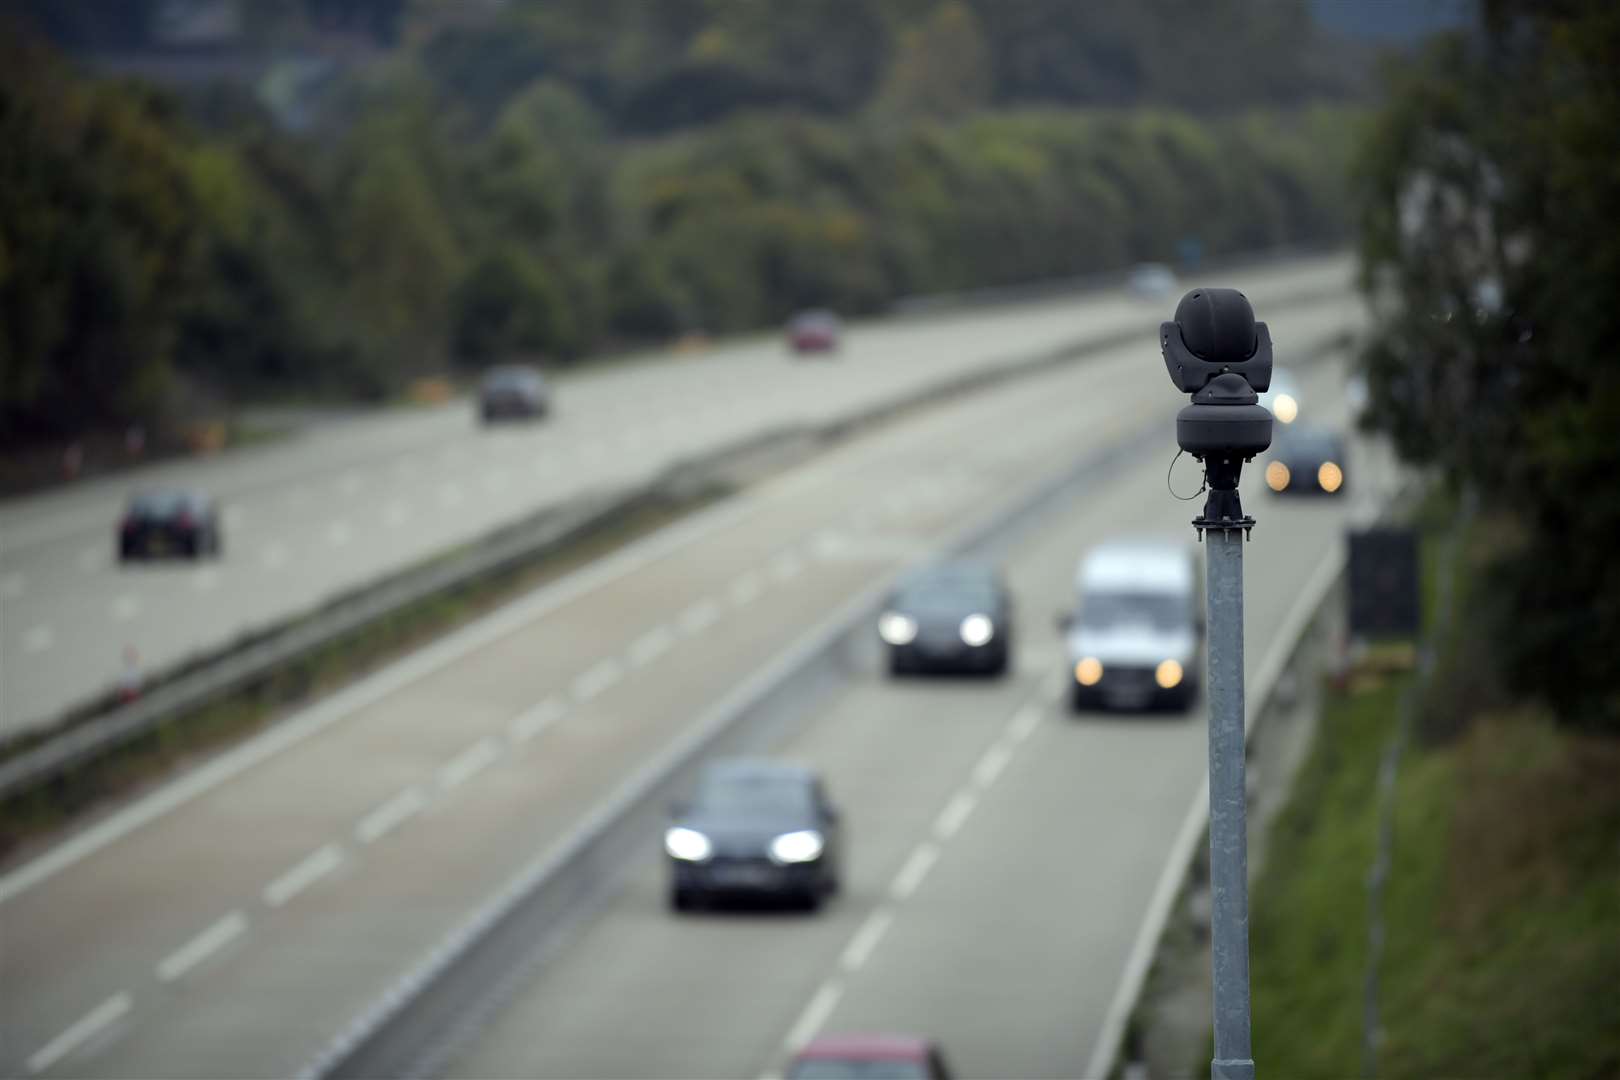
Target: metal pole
[[1228, 837]]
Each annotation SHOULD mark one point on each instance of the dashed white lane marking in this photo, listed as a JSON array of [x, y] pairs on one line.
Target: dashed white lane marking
[[201, 947], [745, 589], [956, 811], [597, 678], [786, 566], [531, 722], [307, 872], [38, 639], [395, 514], [390, 815], [699, 617], [81, 1031], [274, 556], [126, 607], [650, 646], [866, 939], [205, 580], [470, 762], [815, 1014], [1024, 722], [989, 767], [12, 585], [916, 868]]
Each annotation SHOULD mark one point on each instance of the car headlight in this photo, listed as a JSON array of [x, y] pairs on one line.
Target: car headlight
[[977, 630], [804, 845], [1285, 408], [1277, 476], [1088, 672], [1330, 476], [897, 629], [688, 845], [1168, 674]]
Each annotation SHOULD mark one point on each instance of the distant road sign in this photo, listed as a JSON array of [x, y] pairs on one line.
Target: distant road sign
[[1385, 598]]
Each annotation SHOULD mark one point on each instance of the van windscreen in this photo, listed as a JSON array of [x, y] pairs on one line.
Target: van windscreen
[[1161, 611]]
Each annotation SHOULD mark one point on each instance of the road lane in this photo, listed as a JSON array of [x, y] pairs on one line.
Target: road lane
[[1003, 854], [348, 503], [102, 922]]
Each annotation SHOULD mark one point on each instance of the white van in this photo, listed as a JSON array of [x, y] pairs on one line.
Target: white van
[[1135, 639]]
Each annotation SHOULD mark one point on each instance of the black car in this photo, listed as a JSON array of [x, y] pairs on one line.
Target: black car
[[513, 392], [953, 617], [169, 522], [1306, 461], [760, 828]]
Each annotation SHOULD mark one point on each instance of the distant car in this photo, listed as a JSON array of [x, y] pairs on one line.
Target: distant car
[[869, 1057], [1306, 460], [952, 617], [513, 392], [1134, 640], [761, 828], [1151, 281], [814, 332], [169, 521], [1282, 397]]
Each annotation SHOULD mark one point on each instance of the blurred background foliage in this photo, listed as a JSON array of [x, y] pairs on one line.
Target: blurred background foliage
[[1490, 188], [327, 198]]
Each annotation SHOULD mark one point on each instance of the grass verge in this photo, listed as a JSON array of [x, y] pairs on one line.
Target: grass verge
[[1502, 908]]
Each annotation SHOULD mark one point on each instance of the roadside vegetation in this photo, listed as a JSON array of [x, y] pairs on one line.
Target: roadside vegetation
[[558, 179]]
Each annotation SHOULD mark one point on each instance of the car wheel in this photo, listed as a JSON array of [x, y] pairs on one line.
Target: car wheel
[[897, 663], [811, 899], [682, 899]]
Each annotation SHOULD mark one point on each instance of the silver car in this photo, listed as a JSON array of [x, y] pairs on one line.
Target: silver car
[[1134, 640]]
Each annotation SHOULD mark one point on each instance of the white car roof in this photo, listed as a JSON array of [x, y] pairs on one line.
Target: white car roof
[[1149, 565]]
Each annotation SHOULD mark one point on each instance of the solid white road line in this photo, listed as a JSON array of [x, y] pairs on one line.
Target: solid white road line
[[311, 869], [866, 939], [650, 646], [916, 868], [699, 617], [815, 1014], [38, 639], [531, 722], [201, 947], [989, 767], [1157, 914], [418, 665], [470, 762], [956, 811], [596, 679], [81, 1031], [390, 815]]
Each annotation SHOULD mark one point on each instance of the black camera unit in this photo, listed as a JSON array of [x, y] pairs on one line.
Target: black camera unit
[[1215, 351]]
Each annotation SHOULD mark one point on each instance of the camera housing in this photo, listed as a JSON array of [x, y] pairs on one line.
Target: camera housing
[[1216, 351]]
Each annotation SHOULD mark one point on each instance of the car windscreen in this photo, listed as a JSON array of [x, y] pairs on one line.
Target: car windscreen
[[1307, 444], [945, 597], [846, 1069], [158, 504], [1161, 611], [752, 794]]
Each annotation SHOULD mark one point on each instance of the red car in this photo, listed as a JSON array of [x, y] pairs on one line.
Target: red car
[[815, 331], [869, 1057]]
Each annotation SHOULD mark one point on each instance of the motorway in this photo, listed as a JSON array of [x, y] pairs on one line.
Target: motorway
[[349, 503], [231, 922]]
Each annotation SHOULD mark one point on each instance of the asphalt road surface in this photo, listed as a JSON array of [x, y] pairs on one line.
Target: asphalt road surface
[[231, 922], [341, 505]]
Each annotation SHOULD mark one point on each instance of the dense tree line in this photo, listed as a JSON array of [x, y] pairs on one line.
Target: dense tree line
[[161, 253], [1491, 195]]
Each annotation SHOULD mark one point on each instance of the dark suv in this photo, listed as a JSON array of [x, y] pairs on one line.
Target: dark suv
[[169, 521]]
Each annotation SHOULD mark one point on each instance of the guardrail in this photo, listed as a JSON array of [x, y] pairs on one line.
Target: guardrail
[[211, 677], [419, 1023]]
